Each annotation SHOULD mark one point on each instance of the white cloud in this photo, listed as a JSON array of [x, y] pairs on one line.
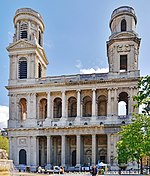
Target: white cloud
[[92, 70], [4, 116], [79, 64]]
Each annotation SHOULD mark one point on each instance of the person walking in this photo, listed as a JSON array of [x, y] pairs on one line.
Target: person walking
[[94, 171]]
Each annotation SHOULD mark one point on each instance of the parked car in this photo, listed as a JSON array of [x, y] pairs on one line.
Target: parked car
[[54, 169]]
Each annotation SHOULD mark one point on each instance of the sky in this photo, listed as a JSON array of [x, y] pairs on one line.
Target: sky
[[75, 36]]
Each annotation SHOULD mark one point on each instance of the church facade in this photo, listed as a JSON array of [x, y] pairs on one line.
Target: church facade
[[69, 120]]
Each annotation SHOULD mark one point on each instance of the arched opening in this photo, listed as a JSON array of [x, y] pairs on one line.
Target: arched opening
[[39, 70], [23, 31], [88, 157], [123, 25], [103, 155], [74, 158], [57, 108], [22, 157], [72, 107], [102, 105], [43, 109], [123, 104], [23, 109], [22, 68], [87, 106]]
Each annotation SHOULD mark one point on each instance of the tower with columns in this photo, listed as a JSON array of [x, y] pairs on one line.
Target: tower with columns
[[69, 120]]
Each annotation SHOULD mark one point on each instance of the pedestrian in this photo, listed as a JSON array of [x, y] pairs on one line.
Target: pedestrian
[[94, 171]]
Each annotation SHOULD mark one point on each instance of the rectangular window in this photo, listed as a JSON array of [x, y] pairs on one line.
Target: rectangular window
[[123, 63]]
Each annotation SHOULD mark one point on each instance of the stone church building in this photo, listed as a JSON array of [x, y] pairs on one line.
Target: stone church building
[[69, 120]]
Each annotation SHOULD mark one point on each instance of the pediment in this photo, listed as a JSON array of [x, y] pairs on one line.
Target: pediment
[[21, 44]]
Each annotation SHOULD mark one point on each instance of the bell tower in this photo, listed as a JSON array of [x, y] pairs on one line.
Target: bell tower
[[123, 45], [27, 57]]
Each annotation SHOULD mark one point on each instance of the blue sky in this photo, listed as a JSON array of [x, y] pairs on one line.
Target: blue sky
[[75, 37]]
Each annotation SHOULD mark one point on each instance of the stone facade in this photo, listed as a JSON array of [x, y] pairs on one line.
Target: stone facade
[[72, 119]]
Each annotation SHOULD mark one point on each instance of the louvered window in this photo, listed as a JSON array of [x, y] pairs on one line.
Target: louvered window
[[40, 71], [22, 69], [23, 30]]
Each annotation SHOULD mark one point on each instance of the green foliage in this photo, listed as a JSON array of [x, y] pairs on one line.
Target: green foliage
[[143, 97], [4, 143], [134, 141]]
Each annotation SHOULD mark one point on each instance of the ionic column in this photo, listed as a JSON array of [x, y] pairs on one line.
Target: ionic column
[[94, 102], [78, 149], [63, 148], [35, 150], [29, 27], [48, 105], [108, 148], [49, 149], [10, 148], [115, 102], [33, 106], [109, 102], [28, 106], [131, 101], [28, 151], [63, 103], [78, 103], [93, 149], [18, 33]]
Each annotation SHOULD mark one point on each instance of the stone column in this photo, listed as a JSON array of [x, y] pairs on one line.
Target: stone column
[[94, 102], [34, 150], [18, 31], [93, 149], [131, 101], [49, 149], [115, 102], [78, 104], [33, 113], [28, 106], [108, 148], [29, 151], [15, 152], [109, 102], [37, 151], [63, 104], [29, 32], [63, 148], [10, 148], [48, 105], [78, 150]]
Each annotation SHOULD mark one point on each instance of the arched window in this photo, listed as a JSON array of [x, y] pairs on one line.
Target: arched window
[[57, 112], [123, 104], [22, 68], [87, 106], [72, 107], [22, 157], [123, 25], [23, 109], [102, 105], [43, 109], [39, 70], [23, 31]]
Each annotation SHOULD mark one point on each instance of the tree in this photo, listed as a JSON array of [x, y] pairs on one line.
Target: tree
[[134, 141], [4, 143], [143, 96]]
